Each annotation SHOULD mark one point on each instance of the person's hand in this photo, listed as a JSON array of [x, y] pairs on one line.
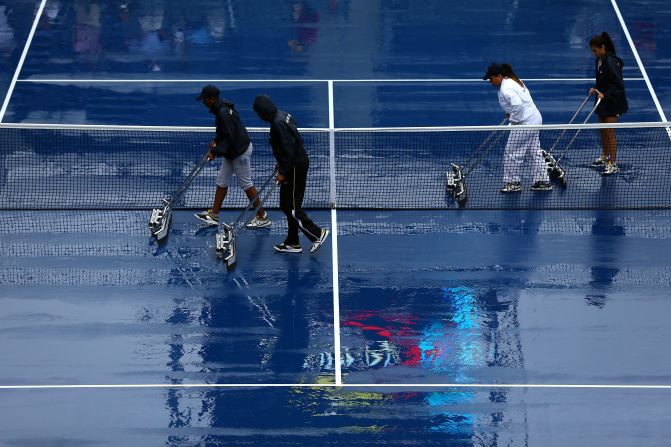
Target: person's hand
[[280, 178], [212, 144], [594, 91], [210, 156]]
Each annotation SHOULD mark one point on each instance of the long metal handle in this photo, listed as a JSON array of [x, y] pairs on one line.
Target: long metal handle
[[575, 115], [188, 180], [598, 101], [477, 150]]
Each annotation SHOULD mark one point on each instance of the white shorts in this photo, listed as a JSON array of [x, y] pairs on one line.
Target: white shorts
[[241, 166]]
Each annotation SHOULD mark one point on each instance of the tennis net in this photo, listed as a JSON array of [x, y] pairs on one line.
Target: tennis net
[[115, 167]]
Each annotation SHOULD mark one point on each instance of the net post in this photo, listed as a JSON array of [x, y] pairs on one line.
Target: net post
[[332, 160]]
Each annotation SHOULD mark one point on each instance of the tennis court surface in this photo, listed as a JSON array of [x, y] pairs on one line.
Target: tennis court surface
[[537, 319]]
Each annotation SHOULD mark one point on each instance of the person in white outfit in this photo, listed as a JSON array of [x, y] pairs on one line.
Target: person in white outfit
[[516, 101]]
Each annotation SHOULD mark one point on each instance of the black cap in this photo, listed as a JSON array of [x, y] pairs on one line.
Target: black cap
[[493, 70], [208, 91]]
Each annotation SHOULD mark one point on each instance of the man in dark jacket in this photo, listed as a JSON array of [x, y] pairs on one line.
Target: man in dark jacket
[[292, 172], [233, 144]]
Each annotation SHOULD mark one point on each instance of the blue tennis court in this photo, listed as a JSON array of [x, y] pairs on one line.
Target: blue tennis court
[[529, 322]]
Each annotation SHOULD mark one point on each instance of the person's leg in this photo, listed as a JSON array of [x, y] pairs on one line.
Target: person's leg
[[305, 224], [513, 158], [223, 180], [211, 216], [243, 171], [286, 204], [539, 171], [608, 139]]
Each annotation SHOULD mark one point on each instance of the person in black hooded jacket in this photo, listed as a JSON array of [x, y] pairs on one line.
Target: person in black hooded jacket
[[292, 173], [231, 142], [610, 88]]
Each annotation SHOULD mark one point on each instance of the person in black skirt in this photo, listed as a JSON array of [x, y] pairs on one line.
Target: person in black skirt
[[610, 88], [292, 173]]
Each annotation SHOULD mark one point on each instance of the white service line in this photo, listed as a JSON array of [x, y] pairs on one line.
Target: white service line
[[344, 385], [298, 81], [660, 110], [334, 240], [19, 66]]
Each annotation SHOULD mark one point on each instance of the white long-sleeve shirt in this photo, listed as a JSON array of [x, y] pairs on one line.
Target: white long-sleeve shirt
[[516, 101]]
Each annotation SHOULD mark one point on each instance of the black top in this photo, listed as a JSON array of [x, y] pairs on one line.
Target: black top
[[609, 81], [287, 143], [232, 138]]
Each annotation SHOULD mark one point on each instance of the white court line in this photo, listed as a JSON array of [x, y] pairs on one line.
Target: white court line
[[344, 385], [19, 66], [662, 115], [334, 240], [306, 81]]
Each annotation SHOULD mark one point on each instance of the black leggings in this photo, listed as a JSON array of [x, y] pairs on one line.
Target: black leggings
[[292, 192]]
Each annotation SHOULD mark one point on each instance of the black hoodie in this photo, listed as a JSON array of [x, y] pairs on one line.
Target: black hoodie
[[287, 143], [610, 82], [232, 138]]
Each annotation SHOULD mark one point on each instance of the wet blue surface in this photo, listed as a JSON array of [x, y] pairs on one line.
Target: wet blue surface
[[290, 416], [90, 306], [649, 22], [527, 297], [16, 18], [425, 297]]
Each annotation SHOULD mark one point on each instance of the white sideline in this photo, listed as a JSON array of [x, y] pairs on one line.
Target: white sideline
[[344, 385], [305, 81], [334, 240], [662, 115], [19, 66]]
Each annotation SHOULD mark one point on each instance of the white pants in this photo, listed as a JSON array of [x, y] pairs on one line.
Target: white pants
[[524, 144], [241, 166]]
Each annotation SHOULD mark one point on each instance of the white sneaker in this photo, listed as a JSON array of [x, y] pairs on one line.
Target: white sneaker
[[611, 168], [259, 222], [208, 217], [319, 242], [511, 187], [600, 162]]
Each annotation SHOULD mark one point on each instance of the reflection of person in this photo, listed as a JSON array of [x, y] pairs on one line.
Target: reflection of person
[[7, 40], [606, 252], [292, 167], [87, 30], [610, 88], [233, 144], [516, 101], [306, 31]]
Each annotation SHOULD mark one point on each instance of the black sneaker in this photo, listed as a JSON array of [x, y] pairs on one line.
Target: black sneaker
[[541, 186], [208, 217], [285, 248]]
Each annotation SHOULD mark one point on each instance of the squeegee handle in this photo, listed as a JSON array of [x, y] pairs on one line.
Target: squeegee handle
[[475, 154], [598, 102], [575, 115]]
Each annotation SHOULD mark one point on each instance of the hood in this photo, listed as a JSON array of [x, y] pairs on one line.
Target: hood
[[219, 103], [265, 107]]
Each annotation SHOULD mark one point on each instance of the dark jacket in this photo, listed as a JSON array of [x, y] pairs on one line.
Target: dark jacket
[[609, 81], [287, 143], [232, 138]]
